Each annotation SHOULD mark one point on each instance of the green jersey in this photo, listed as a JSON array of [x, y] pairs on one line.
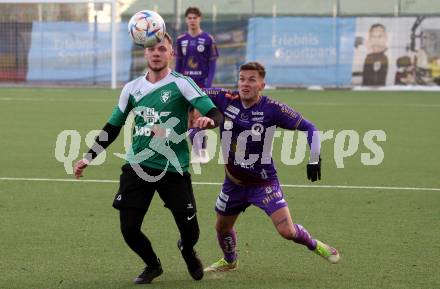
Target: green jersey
[[160, 119]]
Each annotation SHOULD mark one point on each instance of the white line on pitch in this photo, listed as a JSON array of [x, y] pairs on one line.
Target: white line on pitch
[[218, 184]]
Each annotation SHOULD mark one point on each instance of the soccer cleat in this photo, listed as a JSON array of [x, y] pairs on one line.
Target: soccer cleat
[[193, 263], [222, 266], [149, 274], [327, 252]]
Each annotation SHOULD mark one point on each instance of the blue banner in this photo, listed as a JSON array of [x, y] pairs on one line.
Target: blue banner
[[77, 52], [303, 50]]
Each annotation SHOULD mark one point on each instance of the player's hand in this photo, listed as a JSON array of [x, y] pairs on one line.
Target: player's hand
[[314, 171], [231, 95], [79, 167], [204, 122]]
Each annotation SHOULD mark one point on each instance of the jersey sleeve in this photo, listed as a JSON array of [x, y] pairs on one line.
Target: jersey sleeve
[[213, 51], [285, 116], [196, 96], [121, 111], [218, 97]]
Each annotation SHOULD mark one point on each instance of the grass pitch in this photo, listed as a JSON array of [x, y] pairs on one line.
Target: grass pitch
[[66, 234]]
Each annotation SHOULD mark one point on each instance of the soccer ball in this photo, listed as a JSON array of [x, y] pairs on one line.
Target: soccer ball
[[146, 28]]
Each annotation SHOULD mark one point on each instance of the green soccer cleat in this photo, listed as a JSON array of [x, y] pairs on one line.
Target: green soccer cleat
[[222, 266], [327, 252]]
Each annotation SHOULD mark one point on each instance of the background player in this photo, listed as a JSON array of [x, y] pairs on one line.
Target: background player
[[196, 56], [159, 100], [249, 125]]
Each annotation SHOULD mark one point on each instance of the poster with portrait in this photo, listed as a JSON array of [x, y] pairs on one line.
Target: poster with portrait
[[396, 51]]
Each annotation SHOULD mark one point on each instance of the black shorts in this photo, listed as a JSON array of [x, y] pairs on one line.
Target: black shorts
[[174, 189]]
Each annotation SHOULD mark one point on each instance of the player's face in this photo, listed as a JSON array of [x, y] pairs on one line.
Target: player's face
[[159, 56], [378, 40], [250, 84], [193, 21]]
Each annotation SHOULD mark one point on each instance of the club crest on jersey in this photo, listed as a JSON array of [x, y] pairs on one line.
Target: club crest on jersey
[[165, 95]]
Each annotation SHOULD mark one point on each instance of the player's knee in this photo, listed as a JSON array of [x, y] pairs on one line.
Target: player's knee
[[222, 228], [130, 233], [286, 233]]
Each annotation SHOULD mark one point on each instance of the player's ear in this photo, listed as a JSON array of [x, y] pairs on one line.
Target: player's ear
[[263, 85]]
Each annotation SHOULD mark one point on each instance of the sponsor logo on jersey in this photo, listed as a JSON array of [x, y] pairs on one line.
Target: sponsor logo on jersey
[[200, 48], [233, 109], [258, 118], [244, 165], [193, 73], [272, 196], [165, 95], [150, 117], [257, 129], [258, 113], [148, 114], [229, 115]]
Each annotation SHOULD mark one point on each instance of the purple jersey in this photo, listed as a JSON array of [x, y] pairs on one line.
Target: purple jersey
[[193, 55], [250, 131]]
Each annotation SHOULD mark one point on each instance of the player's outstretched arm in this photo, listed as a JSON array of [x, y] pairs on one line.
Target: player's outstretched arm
[[314, 165], [107, 135], [212, 119], [214, 92]]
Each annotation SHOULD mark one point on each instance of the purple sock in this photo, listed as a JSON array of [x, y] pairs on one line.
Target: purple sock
[[303, 237], [227, 243]]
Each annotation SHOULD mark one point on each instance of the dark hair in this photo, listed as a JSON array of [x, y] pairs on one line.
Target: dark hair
[[377, 25], [254, 66], [193, 10]]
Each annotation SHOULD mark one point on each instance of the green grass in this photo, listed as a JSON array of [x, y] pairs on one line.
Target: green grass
[[66, 234]]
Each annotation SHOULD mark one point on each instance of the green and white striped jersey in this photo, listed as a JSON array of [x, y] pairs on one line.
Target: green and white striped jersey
[[160, 119]]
